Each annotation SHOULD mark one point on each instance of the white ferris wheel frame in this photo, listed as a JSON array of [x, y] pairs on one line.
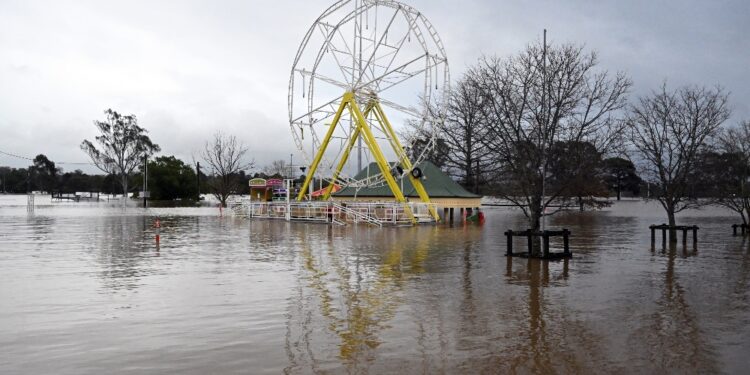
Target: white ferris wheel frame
[[427, 118]]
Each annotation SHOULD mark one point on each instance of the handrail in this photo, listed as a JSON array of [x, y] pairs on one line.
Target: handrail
[[357, 214]]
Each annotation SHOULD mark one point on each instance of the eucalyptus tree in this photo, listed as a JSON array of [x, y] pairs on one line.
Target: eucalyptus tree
[[542, 97], [226, 158], [122, 146], [670, 130], [46, 173]]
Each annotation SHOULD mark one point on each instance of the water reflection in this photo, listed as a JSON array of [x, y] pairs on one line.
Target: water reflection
[[120, 250], [226, 295], [351, 288], [672, 334]]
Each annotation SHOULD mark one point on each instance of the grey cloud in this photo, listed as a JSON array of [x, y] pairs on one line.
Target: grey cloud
[[190, 68]]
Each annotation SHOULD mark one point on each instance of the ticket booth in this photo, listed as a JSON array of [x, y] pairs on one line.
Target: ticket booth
[[262, 190]]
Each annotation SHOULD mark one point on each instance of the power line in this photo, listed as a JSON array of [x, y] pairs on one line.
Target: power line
[[30, 159]]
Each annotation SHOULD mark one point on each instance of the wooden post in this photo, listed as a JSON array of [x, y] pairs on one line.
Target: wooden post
[[445, 214], [734, 230], [451, 214], [545, 249], [663, 236], [653, 236], [684, 237], [509, 250], [530, 243], [566, 247]]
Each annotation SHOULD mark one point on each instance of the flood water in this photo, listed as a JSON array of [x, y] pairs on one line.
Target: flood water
[[86, 289]]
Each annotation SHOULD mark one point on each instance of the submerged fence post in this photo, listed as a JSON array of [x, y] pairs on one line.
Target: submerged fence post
[[566, 247], [663, 236], [509, 250], [684, 237], [653, 236], [545, 237]]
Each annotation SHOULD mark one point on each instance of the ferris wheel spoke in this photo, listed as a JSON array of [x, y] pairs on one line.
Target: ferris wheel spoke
[[333, 49], [326, 79], [379, 43], [411, 111], [397, 70], [318, 109]]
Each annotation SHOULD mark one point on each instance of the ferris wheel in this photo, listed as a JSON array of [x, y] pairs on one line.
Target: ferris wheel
[[385, 62]]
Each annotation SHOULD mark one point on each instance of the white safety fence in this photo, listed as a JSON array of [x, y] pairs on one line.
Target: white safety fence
[[377, 214]]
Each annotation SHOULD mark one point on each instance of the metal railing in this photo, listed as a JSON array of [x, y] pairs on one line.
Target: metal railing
[[378, 214]]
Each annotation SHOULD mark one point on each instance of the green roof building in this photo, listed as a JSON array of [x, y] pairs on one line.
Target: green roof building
[[443, 191]]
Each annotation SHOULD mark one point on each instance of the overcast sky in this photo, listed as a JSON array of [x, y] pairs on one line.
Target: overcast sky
[[189, 68]]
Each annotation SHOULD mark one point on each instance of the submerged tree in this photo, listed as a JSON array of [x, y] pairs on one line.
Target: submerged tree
[[538, 99], [576, 173], [170, 178], [733, 191], [468, 159], [123, 145], [46, 173], [225, 156], [669, 131], [620, 174]]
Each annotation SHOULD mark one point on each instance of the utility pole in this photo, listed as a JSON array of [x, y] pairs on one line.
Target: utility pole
[[145, 179], [543, 128], [291, 171]]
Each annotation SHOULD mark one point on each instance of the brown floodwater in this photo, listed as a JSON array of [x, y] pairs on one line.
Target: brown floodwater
[[86, 289]]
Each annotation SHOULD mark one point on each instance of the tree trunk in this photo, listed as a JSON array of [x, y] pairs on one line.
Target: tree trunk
[[535, 224], [124, 183], [672, 223], [618, 191]]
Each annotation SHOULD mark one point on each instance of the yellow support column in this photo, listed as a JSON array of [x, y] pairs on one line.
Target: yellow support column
[[352, 139], [385, 169], [404, 159], [319, 155]]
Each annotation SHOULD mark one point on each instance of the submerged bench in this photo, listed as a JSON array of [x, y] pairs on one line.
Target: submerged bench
[[546, 254], [743, 227], [664, 228]]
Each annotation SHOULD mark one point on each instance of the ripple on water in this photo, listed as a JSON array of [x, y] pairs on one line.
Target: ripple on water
[[89, 289]]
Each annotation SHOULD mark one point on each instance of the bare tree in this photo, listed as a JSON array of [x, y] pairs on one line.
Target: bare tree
[[670, 129], [735, 193], [277, 168], [225, 156], [123, 144], [535, 100], [468, 159]]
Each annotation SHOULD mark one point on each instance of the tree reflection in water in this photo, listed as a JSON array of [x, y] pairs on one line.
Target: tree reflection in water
[[672, 334]]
